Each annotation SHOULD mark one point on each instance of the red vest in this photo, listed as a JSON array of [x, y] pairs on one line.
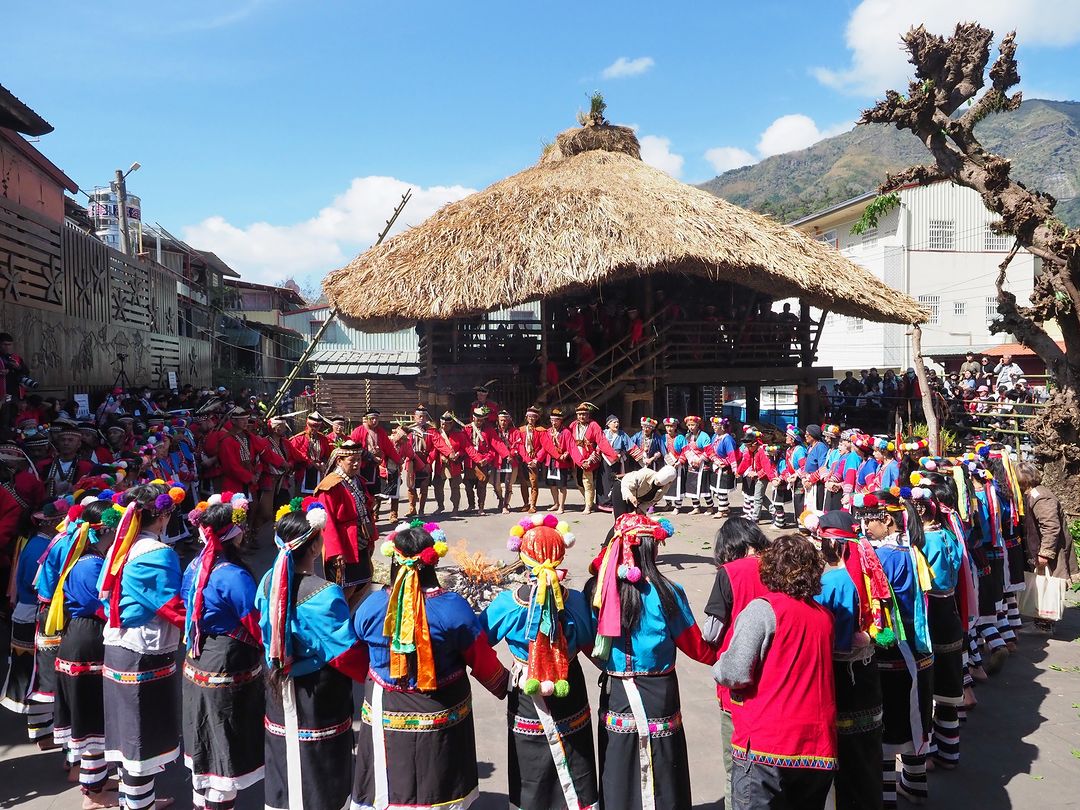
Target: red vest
[[788, 718], [745, 587]]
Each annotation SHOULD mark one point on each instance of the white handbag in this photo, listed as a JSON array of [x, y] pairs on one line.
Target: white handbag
[[1043, 597]]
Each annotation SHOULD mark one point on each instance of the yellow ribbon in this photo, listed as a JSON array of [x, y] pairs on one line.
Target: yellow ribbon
[[547, 576], [54, 620], [406, 626]]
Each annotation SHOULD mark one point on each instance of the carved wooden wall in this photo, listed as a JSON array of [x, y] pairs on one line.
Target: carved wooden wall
[[73, 305]]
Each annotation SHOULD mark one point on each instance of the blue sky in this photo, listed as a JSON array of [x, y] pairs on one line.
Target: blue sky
[[280, 133]]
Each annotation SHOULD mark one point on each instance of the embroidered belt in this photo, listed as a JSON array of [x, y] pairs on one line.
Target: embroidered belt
[[941, 594], [857, 722], [784, 760], [624, 723], [414, 721], [215, 679], [76, 668], [145, 676], [46, 642], [925, 662], [950, 647], [310, 734], [20, 647], [531, 726]]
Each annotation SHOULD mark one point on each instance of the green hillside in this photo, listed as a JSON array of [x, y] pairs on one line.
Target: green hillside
[[1042, 138]]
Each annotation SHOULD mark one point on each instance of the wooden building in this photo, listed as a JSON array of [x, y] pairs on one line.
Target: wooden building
[[74, 305], [592, 222]]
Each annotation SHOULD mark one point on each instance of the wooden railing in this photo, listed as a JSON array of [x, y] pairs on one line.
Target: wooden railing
[[734, 344]]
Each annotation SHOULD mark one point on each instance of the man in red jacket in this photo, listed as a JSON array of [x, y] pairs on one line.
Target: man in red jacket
[[531, 452], [480, 450], [243, 455], [507, 442], [556, 460], [314, 447], [448, 459], [371, 436], [350, 533], [61, 471], [588, 444]]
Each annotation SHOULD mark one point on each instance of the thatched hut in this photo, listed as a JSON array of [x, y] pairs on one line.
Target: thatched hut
[[591, 221]]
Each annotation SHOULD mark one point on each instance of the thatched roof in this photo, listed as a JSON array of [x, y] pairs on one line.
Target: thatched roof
[[591, 212]]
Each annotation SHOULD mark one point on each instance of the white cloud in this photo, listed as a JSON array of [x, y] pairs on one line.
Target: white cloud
[[656, 151], [879, 62], [789, 133], [625, 68], [723, 158], [266, 253]]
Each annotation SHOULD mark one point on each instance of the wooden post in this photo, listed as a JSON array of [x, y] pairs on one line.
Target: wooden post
[[806, 353], [933, 436], [753, 402]]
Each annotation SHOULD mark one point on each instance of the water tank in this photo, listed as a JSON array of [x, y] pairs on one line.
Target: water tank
[[105, 214]]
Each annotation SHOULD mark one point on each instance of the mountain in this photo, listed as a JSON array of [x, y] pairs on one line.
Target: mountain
[[1042, 138]]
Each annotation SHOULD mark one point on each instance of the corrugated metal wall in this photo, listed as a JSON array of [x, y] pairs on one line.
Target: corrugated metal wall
[[341, 336]]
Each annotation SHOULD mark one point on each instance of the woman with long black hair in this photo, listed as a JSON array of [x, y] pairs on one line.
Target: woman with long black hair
[[642, 618], [417, 744], [223, 702], [139, 587], [313, 657], [77, 615]]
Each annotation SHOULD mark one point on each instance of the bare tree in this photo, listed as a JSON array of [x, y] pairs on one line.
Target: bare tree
[[949, 74]]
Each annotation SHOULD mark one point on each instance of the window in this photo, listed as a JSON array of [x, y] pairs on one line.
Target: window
[[991, 308], [959, 308], [869, 235], [828, 237], [855, 324], [996, 241], [942, 234], [932, 304], [314, 327]]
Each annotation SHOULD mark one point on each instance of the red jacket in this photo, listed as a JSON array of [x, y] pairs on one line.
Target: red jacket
[[380, 439], [531, 448], [479, 445], [302, 444], [295, 463], [237, 474], [759, 462], [444, 445], [555, 445], [344, 536], [587, 444], [11, 515], [30, 488], [507, 446]]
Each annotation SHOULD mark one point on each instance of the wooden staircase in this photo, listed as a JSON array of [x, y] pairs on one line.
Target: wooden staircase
[[613, 370]]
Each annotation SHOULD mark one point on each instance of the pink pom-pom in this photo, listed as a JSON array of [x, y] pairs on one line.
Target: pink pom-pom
[[633, 574], [525, 523], [430, 527], [514, 544], [551, 521]]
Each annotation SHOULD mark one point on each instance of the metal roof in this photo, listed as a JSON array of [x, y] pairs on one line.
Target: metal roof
[[16, 115], [353, 363]]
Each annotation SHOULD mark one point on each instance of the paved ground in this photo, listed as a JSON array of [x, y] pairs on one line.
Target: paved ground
[[1020, 748]]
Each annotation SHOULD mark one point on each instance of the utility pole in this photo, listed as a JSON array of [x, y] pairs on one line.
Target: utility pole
[[121, 210], [292, 375]]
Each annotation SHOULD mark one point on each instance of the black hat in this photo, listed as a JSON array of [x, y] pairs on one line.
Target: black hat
[[813, 431], [480, 389], [448, 416], [838, 524]]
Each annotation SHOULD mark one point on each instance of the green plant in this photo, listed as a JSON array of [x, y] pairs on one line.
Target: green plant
[[595, 115], [880, 206], [948, 440]]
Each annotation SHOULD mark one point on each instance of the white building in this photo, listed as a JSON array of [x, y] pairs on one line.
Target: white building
[[938, 247]]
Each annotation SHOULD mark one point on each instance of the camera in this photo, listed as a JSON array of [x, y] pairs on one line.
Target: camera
[[28, 382], [121, 357]]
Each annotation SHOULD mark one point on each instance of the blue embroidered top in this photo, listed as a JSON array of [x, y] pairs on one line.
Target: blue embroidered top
[[454, 629], [48, 574], [865, 470], [896, 562], [506, 618], [150, 582], [890, 474], [619, 441], [650, 648], [815, 457], [322, 630], [655, 445], [944, 557], [26, 568], [81, 589], [228, 602], [839, 595], [723, 444]]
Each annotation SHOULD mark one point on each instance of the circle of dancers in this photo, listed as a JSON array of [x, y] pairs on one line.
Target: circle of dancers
[[845, 651]]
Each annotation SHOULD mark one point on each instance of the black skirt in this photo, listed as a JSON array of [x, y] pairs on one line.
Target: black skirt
[[1016, 564], [428, 752], [858, 725], [724, 480], [142, 709], [19, 682], [833, 500], [388, 487], [43, 687], [896, 730], [80, 692], [621, 763], [223, 711], [947, 635], [699, 483], [991, 586], [538, 762], [324, 709]]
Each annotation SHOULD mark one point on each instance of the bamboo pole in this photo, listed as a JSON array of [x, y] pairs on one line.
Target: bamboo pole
[[932, 429]]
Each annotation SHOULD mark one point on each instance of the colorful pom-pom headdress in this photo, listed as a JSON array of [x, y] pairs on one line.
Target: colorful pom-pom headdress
[[213, 541], [541, 542], [616, 562], [279, 647], [78, 535], [406, 623]]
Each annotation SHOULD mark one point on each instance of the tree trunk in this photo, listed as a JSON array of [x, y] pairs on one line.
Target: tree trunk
[[933, 436]]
